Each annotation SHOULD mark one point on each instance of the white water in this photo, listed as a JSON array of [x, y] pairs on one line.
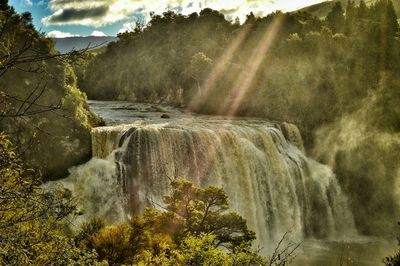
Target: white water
[[260, 165]]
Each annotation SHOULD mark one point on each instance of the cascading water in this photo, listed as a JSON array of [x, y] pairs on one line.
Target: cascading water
[[260, 165]]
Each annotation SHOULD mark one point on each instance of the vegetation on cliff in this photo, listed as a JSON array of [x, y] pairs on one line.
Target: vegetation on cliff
[[41, 107], [33, 225]]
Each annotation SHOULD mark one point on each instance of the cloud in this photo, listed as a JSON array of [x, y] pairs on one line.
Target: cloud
[[97, 33], [42, 3], [26, 3], [127, 27], [91, 13], [73, 14], [60, 34], [101, 12]]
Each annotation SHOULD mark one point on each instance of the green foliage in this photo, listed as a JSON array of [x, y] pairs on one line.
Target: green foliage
[[41, 107], [363, 11], [194, 211], [199, 69], [80, 64], [201, 251], [335, 18], [194, 228], [32, 231], [88, 229]]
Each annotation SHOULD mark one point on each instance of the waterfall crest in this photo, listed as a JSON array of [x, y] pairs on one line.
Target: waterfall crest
[[260, 165]]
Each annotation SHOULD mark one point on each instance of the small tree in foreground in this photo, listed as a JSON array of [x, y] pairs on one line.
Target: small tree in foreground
[[190, 210], [193, 227]]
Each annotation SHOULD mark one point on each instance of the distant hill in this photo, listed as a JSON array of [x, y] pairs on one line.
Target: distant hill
[[322, 9], [64, 45]]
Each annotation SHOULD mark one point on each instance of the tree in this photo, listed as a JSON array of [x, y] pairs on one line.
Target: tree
[[32, 231], [24, 49], [384, 14], [33, 220], [335, 18], [4, 5], [350, 17], [193, 228], [363, 10], [199, 68], [38, 90], [201, 250], [250, 18], [204, 210]]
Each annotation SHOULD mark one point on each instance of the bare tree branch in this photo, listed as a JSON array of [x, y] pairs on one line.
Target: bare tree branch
[[283, 255]]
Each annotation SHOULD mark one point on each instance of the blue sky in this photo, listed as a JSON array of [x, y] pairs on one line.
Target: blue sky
[[63, 18]]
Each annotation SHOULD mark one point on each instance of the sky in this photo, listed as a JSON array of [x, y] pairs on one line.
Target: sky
[[66, 18]]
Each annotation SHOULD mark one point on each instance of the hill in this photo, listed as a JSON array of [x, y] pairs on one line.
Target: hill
[[322, 9], [64, 45]]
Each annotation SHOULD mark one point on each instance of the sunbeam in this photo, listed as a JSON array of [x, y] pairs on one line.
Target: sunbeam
[[217, 70], [246, 78]]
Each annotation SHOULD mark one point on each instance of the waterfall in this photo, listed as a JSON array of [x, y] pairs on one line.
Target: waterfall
[[260, 165]]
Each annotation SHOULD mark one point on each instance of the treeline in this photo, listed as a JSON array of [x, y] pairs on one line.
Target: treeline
[[292, 67]]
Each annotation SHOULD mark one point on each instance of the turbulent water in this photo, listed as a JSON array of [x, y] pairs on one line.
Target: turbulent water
[[261, 165]]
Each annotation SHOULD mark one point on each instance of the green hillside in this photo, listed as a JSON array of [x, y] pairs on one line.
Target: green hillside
[[322, 9]]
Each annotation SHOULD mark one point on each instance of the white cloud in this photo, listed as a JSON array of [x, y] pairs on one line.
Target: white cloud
[[127, 27], [26, 3], [97, 33], [42, 3], [101, 12], [60, 34]]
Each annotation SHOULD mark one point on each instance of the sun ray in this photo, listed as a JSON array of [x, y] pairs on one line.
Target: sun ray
[[246, 78], [217, 70]]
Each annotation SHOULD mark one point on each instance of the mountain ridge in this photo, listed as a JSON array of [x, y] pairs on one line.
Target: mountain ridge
[[64, 45]]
